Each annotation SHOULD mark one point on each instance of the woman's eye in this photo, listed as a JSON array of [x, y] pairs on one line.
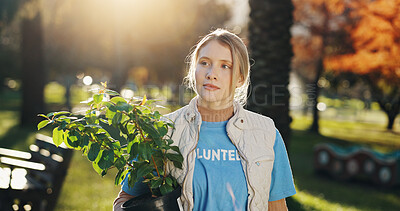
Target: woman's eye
[[226, 66], [204, 63]]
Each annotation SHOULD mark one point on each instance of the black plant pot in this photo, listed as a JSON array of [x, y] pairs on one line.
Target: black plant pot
[[146, 202]]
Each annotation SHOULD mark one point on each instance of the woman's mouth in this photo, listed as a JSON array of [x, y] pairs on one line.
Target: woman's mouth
[[210, 87]]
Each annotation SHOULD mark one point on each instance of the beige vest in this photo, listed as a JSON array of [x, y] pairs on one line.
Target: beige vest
[[251, 133]]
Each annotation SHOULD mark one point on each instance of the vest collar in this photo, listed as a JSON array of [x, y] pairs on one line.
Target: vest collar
[[238, 119]]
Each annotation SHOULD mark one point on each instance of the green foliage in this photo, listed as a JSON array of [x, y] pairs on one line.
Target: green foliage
[[143, 151]]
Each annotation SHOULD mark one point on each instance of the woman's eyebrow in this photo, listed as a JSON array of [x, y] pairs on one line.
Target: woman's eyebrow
[[203, 57], [222, 60], [227, 61]]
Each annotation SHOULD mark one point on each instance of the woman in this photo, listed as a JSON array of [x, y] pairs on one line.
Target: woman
[[234, 159]]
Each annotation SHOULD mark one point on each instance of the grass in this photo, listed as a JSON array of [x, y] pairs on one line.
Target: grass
[[321, 193], [84, 189]]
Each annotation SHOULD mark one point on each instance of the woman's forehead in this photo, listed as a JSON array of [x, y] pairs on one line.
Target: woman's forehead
[[215, 50]]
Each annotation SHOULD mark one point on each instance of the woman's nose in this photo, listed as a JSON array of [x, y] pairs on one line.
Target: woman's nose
[[211, 74]]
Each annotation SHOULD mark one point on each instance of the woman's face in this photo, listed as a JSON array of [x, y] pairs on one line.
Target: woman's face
[[214, 76]]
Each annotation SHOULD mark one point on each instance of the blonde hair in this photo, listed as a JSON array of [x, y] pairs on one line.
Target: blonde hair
[[240, 61]]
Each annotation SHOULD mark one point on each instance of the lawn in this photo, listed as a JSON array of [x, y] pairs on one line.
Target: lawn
[[322, 193], [84, 189]]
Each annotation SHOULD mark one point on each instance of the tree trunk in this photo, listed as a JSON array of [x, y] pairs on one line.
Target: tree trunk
[[389, 102], [391, 119], [391, 110], [270, 47], [320, 69], [33, 72], [314, 96]]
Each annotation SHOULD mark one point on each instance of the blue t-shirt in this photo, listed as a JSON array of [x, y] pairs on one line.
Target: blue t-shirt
[[219, 182]]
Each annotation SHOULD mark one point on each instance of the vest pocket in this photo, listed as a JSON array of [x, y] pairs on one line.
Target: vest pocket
[[262, 159], [260, 178]]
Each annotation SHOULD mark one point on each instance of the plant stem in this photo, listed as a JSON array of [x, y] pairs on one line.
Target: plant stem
[[155, 165]]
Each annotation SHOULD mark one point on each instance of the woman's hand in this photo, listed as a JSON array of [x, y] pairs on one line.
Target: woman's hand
[[122, 197], [278, 205]]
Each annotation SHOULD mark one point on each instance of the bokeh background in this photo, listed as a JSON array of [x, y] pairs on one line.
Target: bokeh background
[[325, 71]]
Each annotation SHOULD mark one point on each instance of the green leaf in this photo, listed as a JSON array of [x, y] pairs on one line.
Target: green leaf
[[96, 167], [107, 104], [157, 115], [144, 150], [163, 131], [115, 145], [123, 106], [61, 113], [133, 151], [168, 181], [103, 120], [97, 98], [93, 126], [112, 108], [50, 114], [115, 100], [120, 176], [74, 139], [177, 164], [123, 129], [149, 129], [117, 118], [169, 141], [132, 177], [43, 124], [176, 149], [57, 136], [175, 157], [165, 188], [110, 114], [106, 159], [144, 170], [94, 149], [111, 92], [120, 163], [42, 115], [156, 183], [130, 127], [84, 141], [101, 136]]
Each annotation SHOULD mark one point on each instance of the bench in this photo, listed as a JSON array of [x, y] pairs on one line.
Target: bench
[[33, 180], [360, 163]]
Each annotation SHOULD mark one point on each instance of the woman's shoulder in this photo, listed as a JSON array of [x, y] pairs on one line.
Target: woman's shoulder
[[258, 119], [173, 116]]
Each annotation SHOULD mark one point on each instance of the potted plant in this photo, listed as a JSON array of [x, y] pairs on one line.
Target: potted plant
[[142, 149]]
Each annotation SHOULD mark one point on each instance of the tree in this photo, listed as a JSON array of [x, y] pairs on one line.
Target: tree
[[270, 47], [318, 33], [9, 46], [28, 15], [128, 35], [33, 72], [376, 42]]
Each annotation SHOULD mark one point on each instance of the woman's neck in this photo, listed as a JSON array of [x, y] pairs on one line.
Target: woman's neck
[[210, 115]]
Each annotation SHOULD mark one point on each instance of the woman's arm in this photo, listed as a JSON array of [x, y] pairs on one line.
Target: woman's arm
[[278, 205], [121, 198]]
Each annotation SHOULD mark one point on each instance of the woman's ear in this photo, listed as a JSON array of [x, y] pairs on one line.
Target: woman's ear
[[240, 81]]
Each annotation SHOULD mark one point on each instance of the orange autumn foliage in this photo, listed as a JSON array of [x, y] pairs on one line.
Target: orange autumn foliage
[[309, 32], [376, 41]]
